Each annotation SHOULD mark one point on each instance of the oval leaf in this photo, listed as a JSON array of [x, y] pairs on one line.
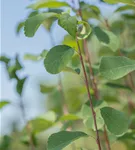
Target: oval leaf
[[115, 67], [69, 23], [57, 58], [117, 122], [58, 141], [32, 24]]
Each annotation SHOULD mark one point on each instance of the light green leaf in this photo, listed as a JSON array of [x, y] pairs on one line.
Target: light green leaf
[[58, 141], [3, 104], [117, 122], [46, 89], [36, 57], [69, 117], [88, 117], [89, 11], [32, 57], [33, 23], [57, 58], [40, 124], [68, 69], [69, 23], [48, 4], [115, 67], [114, 41], [128, 2], [124, 8], [89, 122]]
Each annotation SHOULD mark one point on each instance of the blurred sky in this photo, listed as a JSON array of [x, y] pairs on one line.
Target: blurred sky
[[13, 11]]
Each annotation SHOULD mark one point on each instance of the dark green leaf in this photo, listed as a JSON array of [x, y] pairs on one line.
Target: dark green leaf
[[58, 141], [20, 85], [69, 23], [101, 35], [118, 86], [57, 58], [117, 122], [4, 59]]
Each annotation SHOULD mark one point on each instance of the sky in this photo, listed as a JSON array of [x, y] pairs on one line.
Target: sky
[[12, 12]]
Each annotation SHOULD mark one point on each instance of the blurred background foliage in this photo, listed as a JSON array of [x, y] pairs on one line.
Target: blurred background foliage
[[66, 94]]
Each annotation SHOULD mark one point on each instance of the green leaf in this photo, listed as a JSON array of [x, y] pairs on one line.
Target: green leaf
[[57, 58], [128, 2], [48, 4], [26, 140], [58, 141], [88, 117], [125, 8], [118, 86], [12, 70], [89, 122], [68, 69], [69, 117], [70, 41], [32, 57], [69, 23], [117, 122], [40, 124], [37, 57], [101, 35], [115, 67], [19, 27], [46, 89], [33, 23], [118, 27], [107, 38], [4, 59], [20, 85], [3, 104], [114, 41], [89, 11], [129, 135]]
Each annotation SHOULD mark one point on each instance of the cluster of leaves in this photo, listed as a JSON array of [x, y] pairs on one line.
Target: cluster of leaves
[[114, 61]]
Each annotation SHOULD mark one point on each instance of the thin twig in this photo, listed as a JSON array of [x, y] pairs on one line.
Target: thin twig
[[92, 78], [89, 95], [32, 147]]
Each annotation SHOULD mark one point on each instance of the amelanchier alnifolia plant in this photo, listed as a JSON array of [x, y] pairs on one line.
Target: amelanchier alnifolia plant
[[104, 123]]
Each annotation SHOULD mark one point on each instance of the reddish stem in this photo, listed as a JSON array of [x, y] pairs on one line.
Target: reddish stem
[[89, 96]]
